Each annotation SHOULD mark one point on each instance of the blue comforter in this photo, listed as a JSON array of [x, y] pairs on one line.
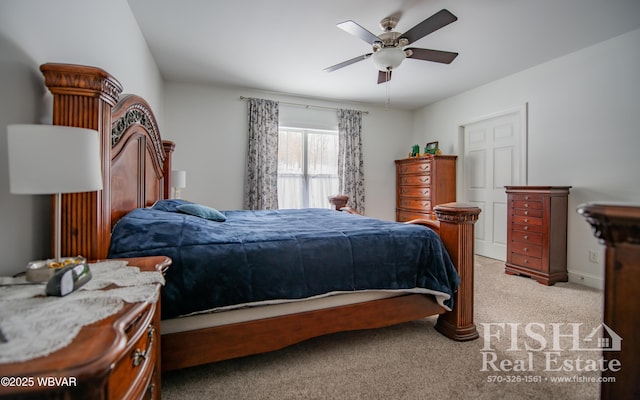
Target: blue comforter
[[259, 256]]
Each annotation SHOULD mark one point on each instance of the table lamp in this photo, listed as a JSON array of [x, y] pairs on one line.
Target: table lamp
[[178, 181], [53, 159]]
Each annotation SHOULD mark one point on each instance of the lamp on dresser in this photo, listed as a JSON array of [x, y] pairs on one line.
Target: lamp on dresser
[[53, 159], [178, 181]]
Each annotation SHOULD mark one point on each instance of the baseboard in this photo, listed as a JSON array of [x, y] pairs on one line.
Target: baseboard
[[586, 279]]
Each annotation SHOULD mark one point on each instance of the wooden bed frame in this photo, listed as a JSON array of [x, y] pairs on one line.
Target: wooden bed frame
[[136, 166]]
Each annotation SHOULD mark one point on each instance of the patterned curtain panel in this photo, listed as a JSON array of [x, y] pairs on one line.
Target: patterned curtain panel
[[261, 192], [350, 160]]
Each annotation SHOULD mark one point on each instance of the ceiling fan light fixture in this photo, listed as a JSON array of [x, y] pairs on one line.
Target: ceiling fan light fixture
[[388, 58]]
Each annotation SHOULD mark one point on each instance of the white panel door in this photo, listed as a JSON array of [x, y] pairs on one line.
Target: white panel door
[[494, 157]]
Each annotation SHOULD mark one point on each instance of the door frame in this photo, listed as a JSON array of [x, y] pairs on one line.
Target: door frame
[[523, 113]]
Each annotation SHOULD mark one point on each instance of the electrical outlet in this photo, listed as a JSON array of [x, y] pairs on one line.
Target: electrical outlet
[[594, 256]]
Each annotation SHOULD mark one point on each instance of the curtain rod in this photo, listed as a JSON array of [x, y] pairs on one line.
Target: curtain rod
[[306, 105]]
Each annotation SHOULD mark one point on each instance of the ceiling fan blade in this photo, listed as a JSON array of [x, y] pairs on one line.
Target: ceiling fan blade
[[445, 57], [358, 31], [433, 23], [384, 76], [348, 62]]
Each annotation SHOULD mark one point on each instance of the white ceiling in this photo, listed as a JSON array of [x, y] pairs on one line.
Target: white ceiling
[[283, 46]]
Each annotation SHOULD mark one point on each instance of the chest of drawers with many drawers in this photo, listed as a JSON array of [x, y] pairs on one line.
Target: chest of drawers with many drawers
[[422, 183], [537, 232]]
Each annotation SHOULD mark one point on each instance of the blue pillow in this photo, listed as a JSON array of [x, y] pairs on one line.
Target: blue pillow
[[169, 205], [201, 211]]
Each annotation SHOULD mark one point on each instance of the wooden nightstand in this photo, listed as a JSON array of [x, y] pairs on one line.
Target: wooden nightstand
[[115, 358]]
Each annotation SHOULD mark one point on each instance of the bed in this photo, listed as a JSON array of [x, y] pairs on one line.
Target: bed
[[136, 170]]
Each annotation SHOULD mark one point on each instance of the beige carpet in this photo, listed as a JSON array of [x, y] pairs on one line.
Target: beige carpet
[[413, 361]]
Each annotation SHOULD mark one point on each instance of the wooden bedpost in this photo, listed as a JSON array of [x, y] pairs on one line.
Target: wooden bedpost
[[84, 97], [456, 230], [169, 147]]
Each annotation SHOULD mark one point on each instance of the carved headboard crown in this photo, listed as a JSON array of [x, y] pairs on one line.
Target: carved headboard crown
[[136, 163]]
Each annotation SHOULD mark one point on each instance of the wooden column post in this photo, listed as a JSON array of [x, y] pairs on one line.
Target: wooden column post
[[169, 147], [456, 230], [83, 97], [617, 226]]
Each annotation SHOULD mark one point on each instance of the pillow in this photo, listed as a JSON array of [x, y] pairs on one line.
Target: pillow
[[201, 211], [169, 205]]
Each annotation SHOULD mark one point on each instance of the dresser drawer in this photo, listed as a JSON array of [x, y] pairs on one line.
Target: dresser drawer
[[415, 167], [526, 261], [415, 180], [410, 191], [526, 220], [536, 205], [527, 212], [132, 375], [404, 216], [527, 197], [527, 228], [416, 204], [527, 249], [527, 237]]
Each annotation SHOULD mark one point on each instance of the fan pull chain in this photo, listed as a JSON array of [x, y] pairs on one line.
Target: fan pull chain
[[388, 72]]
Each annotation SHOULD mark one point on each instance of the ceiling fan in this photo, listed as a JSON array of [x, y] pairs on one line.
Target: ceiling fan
[[390, 48]]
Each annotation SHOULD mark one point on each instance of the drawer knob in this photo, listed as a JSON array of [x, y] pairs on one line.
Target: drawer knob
[[526, 227], [140, 355], [526, 205], [526, 261], [526, 213], [526, 220], [526, 237], [526, 249]]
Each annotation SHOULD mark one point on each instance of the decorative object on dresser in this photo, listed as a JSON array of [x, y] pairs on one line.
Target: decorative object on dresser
[[537, 232], [40, 162], [618, 227], [422, 183], [111, 352]]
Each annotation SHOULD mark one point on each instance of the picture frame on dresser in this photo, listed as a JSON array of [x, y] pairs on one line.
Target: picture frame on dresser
[[431, 147]]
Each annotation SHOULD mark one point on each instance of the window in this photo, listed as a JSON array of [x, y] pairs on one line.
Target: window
[[307, 167]]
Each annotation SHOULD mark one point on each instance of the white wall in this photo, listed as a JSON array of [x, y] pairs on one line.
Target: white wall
[[583, 130], [209, 126], [35, 32]]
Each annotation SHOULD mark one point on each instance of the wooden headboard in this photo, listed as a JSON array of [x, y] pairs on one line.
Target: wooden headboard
[[136, 163]]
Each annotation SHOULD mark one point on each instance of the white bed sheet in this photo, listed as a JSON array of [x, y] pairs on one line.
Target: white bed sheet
[[200, 321]]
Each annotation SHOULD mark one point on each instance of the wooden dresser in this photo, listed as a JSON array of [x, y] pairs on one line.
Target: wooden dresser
[[537, 232], [422, 183], [115, 358], [618, 227]]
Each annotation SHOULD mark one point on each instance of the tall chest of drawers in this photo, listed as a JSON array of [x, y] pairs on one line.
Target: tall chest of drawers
[[537, 232], [422, 183]]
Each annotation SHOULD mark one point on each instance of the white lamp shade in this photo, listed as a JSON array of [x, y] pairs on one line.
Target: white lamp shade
[[179, 179], [388, 58], [47, 159]]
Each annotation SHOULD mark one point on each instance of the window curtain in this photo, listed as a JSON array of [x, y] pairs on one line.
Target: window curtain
[[261, 192], [350, 159]]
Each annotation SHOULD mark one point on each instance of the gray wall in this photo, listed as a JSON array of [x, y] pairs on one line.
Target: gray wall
[[35, 32]]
